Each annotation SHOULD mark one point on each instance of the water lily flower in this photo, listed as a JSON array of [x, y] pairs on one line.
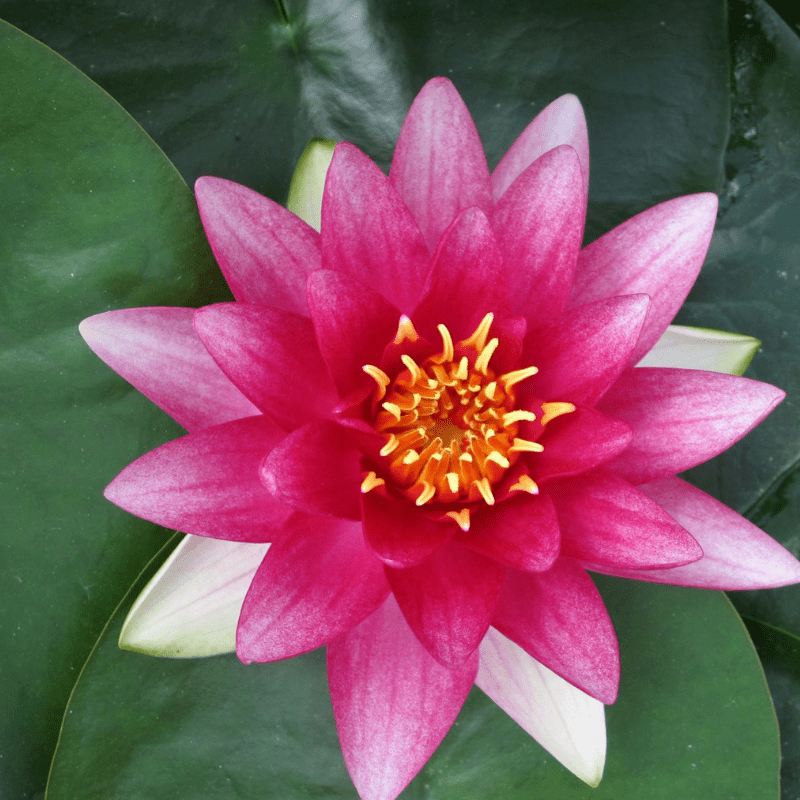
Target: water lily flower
[[416, 431]]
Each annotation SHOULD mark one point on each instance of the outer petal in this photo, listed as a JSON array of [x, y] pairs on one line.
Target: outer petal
[[568, 723], [561, 122], [353, 325], [392, 701], [539, 225], [448, 600], [467, 279], [206, 483], [308, 181], [316, 469], [264, 251], [658, 252], [368, 232], [578, 442], [585, 350], [699, 348], [398, 532], [272, 356], [558, 617], [737, 554], [191, 606], [605, 521], [317, 581], [521, 532], [157, 350], [682, 417], [439, 167]]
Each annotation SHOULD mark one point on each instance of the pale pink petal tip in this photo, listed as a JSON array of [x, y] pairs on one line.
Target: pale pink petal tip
[[191, 606], [569, 724]]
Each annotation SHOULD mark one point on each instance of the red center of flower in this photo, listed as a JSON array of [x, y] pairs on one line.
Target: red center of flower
[[451, 424]]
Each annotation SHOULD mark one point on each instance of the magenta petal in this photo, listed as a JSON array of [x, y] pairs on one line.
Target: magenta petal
[[393, 702], [206, 483], [682, 417], [157, 350], [265, 252], [578, 442], [316, 469], [561, 122], [368, 232], [521, 532], [558, 617], [586, 349], [448, 600], [272, 356], [606, 522], [658, 252], [539, 226], [439, 167], [399, 533], [467, 279], [353, 325], [316, 582], [737, 554]]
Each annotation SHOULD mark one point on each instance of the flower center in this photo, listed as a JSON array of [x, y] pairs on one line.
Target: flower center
[[451, 423]]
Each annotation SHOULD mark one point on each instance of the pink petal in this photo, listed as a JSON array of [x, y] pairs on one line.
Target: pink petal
[[521, 532], [561, 122], [398, 532], [682, 417], [583, 352], [737, 554], [272, 356], [264, 251], [577, 442], [658, 252], [605, 521], [467, 279], [448, 600], [539, 225], [191, 606], [206, 483], [316, 582], [439, 167], [353, 325], [568, 723], [157, 350], [316, 469], [368, 232], [392, 701], [558, 617]]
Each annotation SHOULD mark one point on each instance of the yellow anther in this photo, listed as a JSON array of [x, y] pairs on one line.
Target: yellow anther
[[510, 378], [491, 390], [484, 487], [413, 368], [524, 446], [411, 457], [525, 484], [405, 331], [393, 409], [380, 377], [553, 410], [498, 459], [517, 416], [390, 445], [461, 518], [372, 481], [462, 373], [452, 481], [427, 494], [478, 338], [482, 361], [447, 344]]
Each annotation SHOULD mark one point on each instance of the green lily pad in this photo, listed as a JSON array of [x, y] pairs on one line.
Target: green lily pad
[[693, 721]]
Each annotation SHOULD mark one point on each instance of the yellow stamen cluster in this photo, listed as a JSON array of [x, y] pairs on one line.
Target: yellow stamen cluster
[[451, 424]]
